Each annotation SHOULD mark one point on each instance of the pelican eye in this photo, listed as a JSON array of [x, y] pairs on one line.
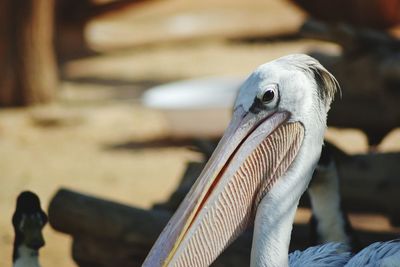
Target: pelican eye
[[267, 98], [268, 95]]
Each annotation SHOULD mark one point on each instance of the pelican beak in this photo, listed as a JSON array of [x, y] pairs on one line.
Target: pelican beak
[[253, 153]]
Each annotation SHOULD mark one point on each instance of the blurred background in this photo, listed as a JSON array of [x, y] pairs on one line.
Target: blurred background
[[78, 110]]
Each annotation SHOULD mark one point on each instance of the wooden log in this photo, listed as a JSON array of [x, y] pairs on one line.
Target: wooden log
[[76, 214]]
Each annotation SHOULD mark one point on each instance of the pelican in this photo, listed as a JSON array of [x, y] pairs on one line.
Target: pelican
[[259, 170], [28, 221]]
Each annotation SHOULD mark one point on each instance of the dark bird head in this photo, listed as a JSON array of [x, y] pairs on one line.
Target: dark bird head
[[28, 221]]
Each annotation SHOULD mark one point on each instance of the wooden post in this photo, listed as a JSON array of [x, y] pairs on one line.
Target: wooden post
[[28, 73]]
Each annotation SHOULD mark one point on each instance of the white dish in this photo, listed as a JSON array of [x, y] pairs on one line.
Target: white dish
[[199, 108]]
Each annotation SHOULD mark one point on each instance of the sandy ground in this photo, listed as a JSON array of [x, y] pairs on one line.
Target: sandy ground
[[79, 141]]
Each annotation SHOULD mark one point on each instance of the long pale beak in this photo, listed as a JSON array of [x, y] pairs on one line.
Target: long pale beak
[[253, 153]]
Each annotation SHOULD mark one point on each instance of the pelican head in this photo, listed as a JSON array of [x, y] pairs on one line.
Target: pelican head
[[264, 161]]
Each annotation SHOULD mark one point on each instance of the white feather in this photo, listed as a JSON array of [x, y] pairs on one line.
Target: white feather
[[27, 257], [327, 255], [378, 254]]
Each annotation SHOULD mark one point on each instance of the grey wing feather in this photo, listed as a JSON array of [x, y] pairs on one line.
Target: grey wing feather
[[378, 254], [327, 255]]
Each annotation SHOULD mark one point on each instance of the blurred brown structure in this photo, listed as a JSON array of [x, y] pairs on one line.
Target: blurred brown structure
[[71, 19], [362, 13], [27, 65], [368, 70], [28, 69]]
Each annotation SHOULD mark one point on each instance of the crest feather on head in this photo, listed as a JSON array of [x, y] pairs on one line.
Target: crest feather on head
[[326, 82]]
